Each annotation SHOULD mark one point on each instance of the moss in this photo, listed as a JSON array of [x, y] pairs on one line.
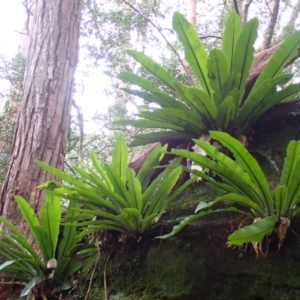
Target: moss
[[147, 270], [196, 264], [199, 191]]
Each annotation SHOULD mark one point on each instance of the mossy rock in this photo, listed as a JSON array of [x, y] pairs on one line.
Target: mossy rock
[[196, 264]]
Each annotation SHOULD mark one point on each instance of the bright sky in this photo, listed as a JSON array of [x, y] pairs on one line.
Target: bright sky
[[12, 18]]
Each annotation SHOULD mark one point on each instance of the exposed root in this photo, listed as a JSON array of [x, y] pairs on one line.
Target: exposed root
[[282, 230], [295, 233], [105, 272], [93, 273], [238, 222]]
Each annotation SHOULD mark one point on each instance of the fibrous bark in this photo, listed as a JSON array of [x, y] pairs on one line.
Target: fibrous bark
[[260, 60], [43, 123]]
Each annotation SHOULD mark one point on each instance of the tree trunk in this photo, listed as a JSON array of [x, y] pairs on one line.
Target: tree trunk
[[268, 35], [43, 123], [192, 12], [242, 8], [192, 16]]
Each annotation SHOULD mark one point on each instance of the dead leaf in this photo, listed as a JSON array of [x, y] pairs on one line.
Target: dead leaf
[[243, 140], [258, 246], [52, 263], [255, 246], [282, 230], [30, 296]]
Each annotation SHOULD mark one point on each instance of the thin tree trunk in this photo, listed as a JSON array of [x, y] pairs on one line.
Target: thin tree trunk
[[192, 16], [242, 8], [274, 9], [192, 12], [43, 123]]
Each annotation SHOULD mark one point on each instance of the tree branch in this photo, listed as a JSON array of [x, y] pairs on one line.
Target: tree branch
[[210, 36], [24, 33], [28, 8], [236, 7], [159, 29]]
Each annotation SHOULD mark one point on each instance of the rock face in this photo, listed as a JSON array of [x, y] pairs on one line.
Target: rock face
[[196, 264]]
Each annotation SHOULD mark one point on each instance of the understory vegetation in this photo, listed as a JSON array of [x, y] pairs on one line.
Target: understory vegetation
[[99, 197]]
